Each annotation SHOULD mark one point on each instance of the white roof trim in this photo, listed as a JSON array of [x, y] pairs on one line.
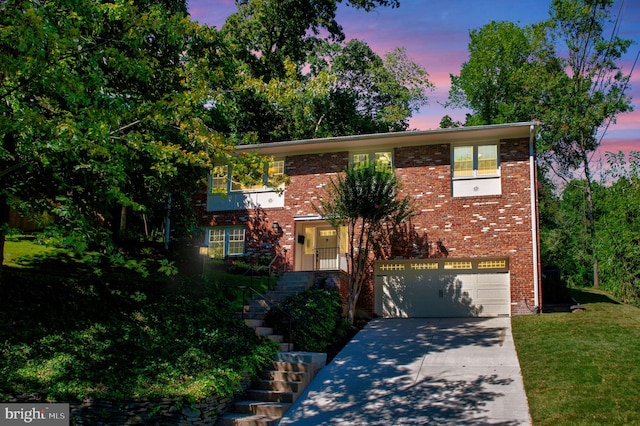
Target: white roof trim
[[394, 139]]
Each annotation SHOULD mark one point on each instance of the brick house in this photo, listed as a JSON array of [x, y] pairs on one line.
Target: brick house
[[471, 251]]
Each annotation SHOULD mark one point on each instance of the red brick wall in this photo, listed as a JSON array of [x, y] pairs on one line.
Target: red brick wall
[[467, 226], [475, 226]]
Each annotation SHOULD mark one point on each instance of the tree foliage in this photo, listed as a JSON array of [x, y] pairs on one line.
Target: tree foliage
[[619, 227], [101, 107], [566, 238], [297, 79], [267, 33], [493, 82], [564, 72], [367, 200]]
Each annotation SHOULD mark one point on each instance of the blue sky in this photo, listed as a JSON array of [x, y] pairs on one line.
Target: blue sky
[[436, 34]]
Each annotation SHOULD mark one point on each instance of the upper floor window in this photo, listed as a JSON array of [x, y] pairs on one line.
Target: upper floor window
[[275, 170], [475, 160], [225, 178], [381, 158], [219, 178]]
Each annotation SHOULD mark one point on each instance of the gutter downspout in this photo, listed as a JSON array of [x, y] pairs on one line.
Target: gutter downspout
[[534, 221]]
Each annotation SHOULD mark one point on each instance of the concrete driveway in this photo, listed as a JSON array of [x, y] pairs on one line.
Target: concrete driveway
[[461, 371]]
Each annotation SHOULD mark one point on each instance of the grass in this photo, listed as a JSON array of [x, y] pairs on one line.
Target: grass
[[21, 251], [67, 333], [582, 368]]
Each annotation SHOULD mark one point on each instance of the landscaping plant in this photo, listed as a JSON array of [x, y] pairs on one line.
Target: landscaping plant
[[310, 320]]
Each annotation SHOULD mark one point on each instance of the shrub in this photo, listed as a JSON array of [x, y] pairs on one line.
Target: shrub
[[72, 338], [311, 320]]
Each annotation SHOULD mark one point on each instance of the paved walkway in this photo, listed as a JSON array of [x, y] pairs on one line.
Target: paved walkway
[[461, 371]]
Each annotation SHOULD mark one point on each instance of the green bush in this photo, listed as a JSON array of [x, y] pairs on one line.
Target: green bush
[[71, 338], [311, 320]]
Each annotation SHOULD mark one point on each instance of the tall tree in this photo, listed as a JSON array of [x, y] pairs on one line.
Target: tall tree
[[493, 82], [348, 90], [297, 79], [366, 199], [587, 95], [385, 91], [268, 32], [567, 76], [100, 107]]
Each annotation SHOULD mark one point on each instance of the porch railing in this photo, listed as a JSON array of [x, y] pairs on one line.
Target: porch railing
[[327, 258]]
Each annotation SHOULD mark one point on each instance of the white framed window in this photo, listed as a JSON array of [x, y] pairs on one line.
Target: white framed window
[[226, 178], [246, 179], [226, 241], [475, 160], [216, 243], [235, 246], [219, 178], [380, 158], [275, 170]]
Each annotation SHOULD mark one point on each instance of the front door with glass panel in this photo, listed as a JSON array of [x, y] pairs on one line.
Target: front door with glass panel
[[326, 249], [318, 247]]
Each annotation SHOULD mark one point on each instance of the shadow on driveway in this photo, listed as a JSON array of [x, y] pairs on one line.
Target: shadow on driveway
[[419, 372]]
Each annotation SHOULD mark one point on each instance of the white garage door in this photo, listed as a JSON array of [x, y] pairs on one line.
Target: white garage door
[[442, 288]]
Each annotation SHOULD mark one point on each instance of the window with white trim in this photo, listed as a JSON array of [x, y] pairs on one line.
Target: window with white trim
[[275, 170], [226, 178], [219, 179], [380, 158], [224, 242], [477, 160]]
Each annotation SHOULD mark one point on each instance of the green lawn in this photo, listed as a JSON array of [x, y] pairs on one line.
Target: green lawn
[[21, 250], [582, 368]]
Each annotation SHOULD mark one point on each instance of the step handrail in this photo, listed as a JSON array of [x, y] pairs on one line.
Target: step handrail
[[269, 270], [272, 262], [271, 304], [252, 269]]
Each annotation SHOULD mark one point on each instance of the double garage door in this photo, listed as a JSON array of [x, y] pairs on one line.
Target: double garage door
[[442, 288]]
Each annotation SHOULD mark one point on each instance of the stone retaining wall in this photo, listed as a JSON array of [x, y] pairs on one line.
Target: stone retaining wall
[[165, 412]]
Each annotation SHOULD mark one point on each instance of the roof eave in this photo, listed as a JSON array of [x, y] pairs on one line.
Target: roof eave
[[409, 138]]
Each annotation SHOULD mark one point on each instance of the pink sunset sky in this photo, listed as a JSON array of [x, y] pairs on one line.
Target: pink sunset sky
[[435, 34]]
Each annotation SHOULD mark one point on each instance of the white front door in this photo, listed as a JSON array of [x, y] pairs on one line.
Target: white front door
[[326, 249], [317, 247]]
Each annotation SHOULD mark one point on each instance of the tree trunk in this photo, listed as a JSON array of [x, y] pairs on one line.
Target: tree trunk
[[123, 222], [352, 300], [4, 224], [9, 145], [591, 218]]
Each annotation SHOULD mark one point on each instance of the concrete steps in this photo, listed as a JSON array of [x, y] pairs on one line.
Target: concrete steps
[[255, 311], [262, 408], [270, 396], [277, 387]]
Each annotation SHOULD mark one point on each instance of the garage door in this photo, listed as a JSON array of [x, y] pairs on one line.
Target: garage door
[[442, 288]]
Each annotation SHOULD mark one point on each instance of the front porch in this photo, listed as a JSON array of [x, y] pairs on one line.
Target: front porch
[[319, 246]]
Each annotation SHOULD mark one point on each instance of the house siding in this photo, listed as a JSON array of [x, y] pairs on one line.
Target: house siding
[[487, 226]]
